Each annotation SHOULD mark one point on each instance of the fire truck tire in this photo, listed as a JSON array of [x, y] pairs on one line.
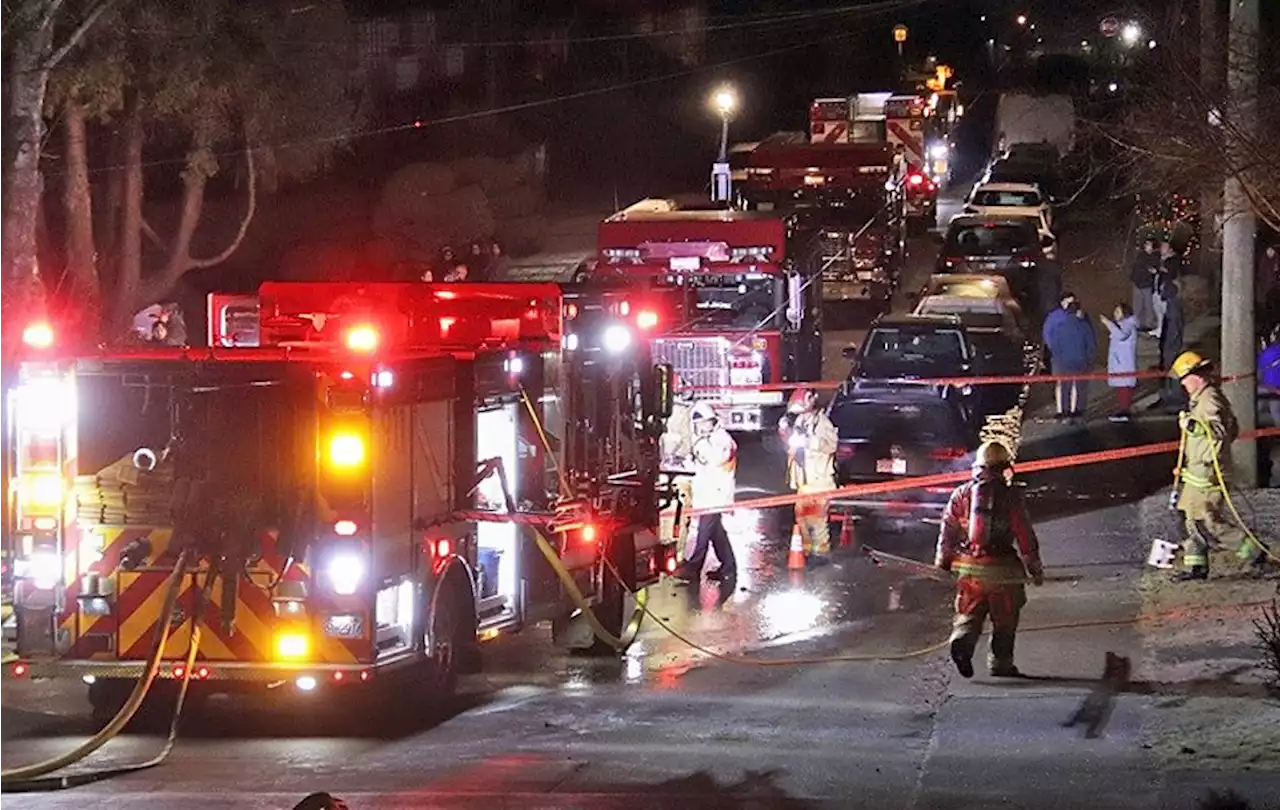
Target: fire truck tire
[[573, 631], [108, 696], [454, 650]]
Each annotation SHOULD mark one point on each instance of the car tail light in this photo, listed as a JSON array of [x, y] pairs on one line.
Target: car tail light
[[947, 453]]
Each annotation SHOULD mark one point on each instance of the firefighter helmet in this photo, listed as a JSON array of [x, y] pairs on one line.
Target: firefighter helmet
[[703, 412], [802, 399], [1188, 363], [992, 455]]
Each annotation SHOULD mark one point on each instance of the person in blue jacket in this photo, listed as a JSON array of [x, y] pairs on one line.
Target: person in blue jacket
[[1072, 342], [1269, 375]]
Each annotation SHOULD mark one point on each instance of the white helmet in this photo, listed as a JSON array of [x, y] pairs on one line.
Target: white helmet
[[703, 412]]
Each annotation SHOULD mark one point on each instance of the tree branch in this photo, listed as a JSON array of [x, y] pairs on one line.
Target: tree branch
[[250, 209], [151, 234], [78, 34]]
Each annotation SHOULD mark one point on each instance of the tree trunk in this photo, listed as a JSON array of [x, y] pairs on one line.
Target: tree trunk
[[129, 267], [23, 296], [82, 259]]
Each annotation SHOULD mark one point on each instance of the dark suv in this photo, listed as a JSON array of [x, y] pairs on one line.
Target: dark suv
[[899, 348], [985, 245]]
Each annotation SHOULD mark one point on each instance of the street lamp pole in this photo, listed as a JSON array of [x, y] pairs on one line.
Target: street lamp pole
[[725, 101]]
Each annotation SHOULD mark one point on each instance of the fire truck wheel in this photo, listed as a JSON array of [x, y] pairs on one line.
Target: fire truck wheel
[[108, 696], [453, 639]]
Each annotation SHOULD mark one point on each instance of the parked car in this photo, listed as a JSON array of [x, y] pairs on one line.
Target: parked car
[[1016, 199], [893, 432], [900, 348], [1011, 247], [971, 295]]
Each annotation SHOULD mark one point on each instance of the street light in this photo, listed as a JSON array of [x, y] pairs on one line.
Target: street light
[[1021, 19], [1130, 34], [725, 102]]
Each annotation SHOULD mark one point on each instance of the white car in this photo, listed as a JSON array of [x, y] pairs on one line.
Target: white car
[[1011, 199]]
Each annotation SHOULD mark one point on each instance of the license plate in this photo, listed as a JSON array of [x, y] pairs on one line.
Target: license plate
[[894, 466]]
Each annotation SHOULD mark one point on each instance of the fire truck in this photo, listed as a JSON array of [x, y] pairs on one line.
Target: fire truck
[[729, 297], [849, 196], [364, 482], [901, 121]]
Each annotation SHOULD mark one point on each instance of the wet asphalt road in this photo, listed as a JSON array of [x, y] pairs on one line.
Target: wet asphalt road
[[668, 725]]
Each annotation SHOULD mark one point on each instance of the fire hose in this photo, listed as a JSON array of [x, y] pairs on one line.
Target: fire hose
[[35, 777]]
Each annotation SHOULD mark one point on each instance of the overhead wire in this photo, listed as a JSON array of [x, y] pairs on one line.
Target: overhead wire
[[474, 115], [754, 20]]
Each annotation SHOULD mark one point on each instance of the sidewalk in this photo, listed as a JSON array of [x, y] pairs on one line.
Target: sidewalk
[[1195, 716]]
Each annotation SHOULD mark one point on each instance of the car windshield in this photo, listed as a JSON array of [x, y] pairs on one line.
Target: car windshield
[[716, 303], [929, 422], [990, 239], [1021, 199], [912, 351]]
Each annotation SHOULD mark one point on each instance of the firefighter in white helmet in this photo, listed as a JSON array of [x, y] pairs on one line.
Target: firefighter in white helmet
[[811, 441], [715, 462], [676, 445]]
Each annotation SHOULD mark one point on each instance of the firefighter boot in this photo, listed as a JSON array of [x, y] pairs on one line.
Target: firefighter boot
[[966, 631], [1000, 661]]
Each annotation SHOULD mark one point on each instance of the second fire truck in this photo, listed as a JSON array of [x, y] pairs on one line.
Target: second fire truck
[[848, 196], [384, 477], [730, 298]]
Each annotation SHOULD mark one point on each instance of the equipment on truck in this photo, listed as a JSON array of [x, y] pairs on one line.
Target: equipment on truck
[[734, 300], [384, 476], [848, 196]]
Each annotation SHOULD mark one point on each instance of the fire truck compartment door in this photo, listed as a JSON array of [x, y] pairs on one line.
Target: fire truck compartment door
[[393, 491], [497, 544]]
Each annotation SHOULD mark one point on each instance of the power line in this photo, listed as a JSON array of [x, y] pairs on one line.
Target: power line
[[784, 18], [518, 107]]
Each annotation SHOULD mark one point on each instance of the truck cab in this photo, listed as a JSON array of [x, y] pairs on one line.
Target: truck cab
[[735, 305]]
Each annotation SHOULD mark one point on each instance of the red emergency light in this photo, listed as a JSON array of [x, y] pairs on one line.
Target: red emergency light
[[647, 319], [916, 179]]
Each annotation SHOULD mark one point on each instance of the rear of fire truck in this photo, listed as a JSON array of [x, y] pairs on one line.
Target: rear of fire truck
[[908, 122], [847, 197], [737, 309], [340, 503]]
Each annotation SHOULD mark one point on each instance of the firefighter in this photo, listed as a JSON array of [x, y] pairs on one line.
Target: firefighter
[[987, 539], [676, 446], [1208, 429], [715, 462], [811, 442]]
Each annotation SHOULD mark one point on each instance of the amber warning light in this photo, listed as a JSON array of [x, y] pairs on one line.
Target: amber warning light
[[38, 335], [362, 339]]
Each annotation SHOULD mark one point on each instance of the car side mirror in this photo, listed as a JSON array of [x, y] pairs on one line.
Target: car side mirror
[[850, 352], [1046, 241]]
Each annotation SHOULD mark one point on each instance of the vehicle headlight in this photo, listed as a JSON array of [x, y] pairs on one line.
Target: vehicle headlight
[[571, 342], [939, 150], [345, 572], [44, 568], [617, 338]]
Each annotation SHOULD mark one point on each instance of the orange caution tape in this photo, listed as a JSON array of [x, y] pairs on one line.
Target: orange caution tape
[[939, 479]]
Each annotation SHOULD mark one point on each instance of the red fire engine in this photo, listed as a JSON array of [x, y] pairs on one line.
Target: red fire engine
[[849, 196], [362, 486], [738, 304]]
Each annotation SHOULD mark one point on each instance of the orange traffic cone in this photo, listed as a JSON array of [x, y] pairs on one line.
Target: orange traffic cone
[[848, 533], [796, 558]]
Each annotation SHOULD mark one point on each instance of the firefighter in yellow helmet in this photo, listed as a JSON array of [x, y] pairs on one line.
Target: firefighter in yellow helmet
[[811, 442], [1208, 429], [988, 540]]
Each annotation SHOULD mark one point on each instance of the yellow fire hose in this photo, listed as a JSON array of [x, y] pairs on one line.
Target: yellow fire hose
[[28, 778], [1222, 483]]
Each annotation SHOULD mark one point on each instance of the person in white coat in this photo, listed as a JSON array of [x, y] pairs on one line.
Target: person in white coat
[[1122, 358], [811, 451], [676, 445], [715, 463]]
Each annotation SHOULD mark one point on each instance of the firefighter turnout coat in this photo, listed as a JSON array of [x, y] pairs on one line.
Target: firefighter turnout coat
[[990, 540], [1210, 429], [811, 449], [715, 460]]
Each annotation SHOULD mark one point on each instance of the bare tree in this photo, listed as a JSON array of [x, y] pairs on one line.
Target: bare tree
[[38, 37]]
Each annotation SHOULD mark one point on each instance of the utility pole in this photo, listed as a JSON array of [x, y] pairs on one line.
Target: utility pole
[[1239, 346]]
